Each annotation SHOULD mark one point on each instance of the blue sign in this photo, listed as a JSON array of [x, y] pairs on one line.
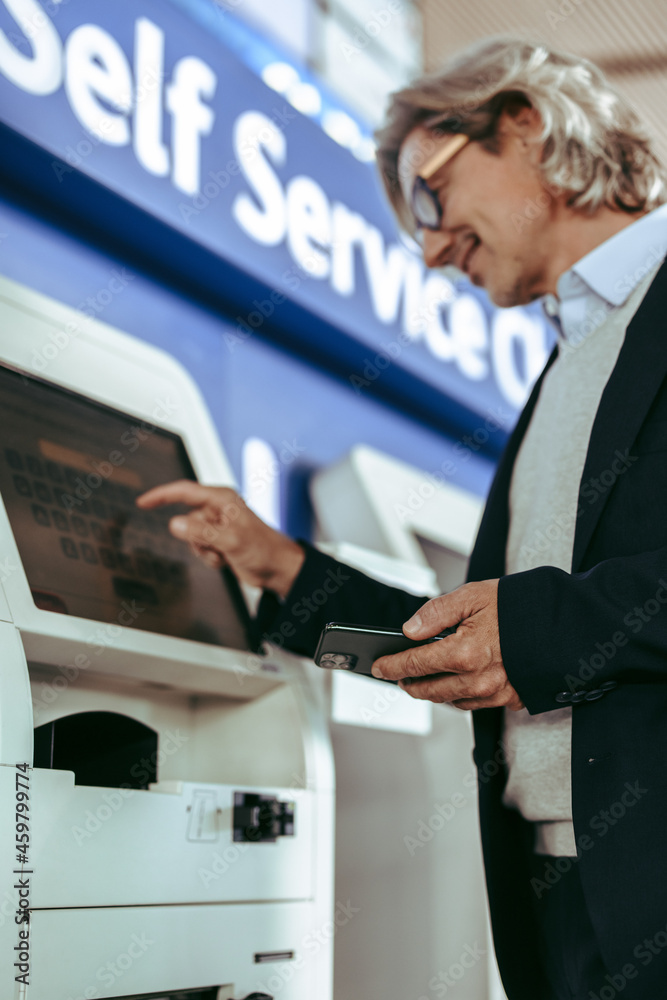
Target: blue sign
[[138, 99]]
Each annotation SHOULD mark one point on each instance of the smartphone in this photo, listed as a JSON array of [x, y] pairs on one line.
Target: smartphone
[[355, 647]]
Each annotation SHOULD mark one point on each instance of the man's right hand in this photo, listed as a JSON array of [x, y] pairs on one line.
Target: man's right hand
[[221, 529]]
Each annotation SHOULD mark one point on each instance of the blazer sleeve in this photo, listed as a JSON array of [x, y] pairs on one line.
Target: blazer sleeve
[[564, 633], [328, 591]]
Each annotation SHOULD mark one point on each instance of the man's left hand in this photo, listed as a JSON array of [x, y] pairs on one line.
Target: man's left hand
[[465, 668]]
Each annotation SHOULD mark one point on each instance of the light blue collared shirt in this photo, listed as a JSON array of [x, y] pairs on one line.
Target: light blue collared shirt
[[602, 280]]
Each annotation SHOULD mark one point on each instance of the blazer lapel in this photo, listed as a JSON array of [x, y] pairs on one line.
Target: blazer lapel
[[488, 556], [626, 399]]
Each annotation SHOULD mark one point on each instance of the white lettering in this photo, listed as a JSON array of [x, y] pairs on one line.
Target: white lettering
[[308, 226], [268, 224], [385, 269], [438, 292], [469, 331], [348, 230], [41, 73], [103, 92], [192, 80], [149, 72], [96, 67]]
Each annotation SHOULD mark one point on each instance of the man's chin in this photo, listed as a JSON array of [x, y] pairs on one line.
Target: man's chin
[[501, 296], [506, 298]]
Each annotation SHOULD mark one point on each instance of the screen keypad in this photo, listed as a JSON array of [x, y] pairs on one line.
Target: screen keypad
[[103, 527]]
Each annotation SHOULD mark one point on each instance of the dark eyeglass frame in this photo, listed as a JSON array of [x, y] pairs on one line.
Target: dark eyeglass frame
[[421, 187]]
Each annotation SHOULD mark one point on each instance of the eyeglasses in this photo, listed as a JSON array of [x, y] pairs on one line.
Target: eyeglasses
[[426, 206]]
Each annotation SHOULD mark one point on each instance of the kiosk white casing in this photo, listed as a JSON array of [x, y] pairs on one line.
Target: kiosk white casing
[[137, 892]]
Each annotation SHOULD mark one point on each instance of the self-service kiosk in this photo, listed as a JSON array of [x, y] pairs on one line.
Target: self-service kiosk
[[167, 793]]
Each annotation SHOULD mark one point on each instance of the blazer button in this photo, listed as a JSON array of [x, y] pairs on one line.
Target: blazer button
[[595, 694], [564, 697], [578, 696], [608, 685]]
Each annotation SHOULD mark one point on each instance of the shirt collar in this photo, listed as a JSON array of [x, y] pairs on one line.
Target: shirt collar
[[614, 268], [603, 279]]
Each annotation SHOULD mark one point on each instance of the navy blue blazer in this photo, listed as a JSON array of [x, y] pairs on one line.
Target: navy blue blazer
[[595, 638]]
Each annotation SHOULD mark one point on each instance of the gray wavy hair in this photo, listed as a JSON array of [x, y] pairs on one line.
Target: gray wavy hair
[[594, 144]]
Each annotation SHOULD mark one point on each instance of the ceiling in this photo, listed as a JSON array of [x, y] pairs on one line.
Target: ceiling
[[626, 38]]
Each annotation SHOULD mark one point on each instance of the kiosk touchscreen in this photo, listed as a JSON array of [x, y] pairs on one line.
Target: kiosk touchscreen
[[170, 790], [70, 471]]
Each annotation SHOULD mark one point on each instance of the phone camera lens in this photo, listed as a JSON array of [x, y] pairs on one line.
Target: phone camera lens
[[338, 661]]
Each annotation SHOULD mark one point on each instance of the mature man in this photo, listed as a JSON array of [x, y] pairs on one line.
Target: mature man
[[561, 646]]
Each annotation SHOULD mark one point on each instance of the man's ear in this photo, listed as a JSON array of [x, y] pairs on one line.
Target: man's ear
[[519, 118], [522, 123]]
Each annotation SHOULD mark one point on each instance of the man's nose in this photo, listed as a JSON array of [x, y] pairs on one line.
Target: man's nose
[[436, 247]]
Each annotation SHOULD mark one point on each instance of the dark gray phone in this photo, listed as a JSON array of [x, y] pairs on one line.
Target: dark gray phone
[[356, 647]]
